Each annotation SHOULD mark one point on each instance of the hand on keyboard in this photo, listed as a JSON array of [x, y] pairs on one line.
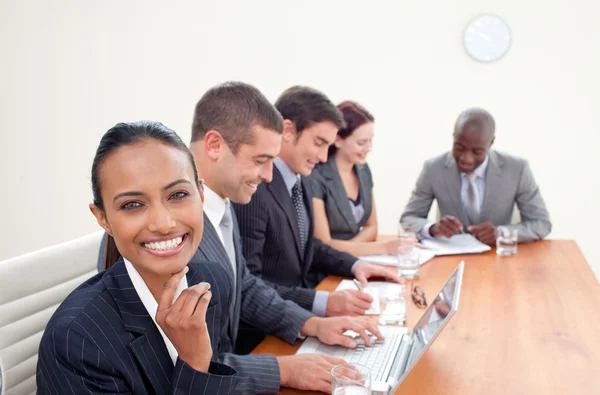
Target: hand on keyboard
[[359, 340], [331, 330]]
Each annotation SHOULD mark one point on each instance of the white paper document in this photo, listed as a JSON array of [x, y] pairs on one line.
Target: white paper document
[[391, 260], [372, 290], [458, 244]]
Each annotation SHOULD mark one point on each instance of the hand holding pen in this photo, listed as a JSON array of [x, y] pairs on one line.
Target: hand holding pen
[[448, 226]]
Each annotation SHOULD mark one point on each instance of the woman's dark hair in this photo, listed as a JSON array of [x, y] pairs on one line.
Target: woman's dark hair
[[355, 116], [121, 135]]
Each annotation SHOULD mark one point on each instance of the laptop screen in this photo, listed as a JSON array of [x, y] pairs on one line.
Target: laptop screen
[[435, 317]]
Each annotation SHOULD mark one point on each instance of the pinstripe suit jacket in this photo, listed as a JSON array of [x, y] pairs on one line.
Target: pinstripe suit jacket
[[102, 340], [257, 304], [271, 243]]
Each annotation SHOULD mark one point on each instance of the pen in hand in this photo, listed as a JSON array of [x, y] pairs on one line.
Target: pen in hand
[[358, 284]]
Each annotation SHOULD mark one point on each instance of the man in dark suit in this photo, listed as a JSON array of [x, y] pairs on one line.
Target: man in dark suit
[[102, 340], [477, 188], [277, 225], [236, 133]]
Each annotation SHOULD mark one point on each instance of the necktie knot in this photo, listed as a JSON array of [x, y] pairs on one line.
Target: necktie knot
[[226, 219], [297, 189]]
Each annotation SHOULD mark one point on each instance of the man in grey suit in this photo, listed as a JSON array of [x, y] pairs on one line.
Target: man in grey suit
[[236, 134], [476, 188]]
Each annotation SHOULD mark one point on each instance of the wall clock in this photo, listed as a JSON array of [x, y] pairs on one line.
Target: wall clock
[[487, 38]]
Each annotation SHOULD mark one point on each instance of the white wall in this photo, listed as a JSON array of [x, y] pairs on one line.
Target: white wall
[[71, 69]]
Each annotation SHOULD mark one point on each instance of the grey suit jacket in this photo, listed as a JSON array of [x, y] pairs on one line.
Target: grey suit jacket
[[257, 304], [509, 180], [327, 186]]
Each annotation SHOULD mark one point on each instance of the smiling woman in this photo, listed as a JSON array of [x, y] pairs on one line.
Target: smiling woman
[[125, 205], [153, 311], [344, 206]]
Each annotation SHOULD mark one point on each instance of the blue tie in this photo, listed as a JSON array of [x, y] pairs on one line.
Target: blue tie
[[300, 213]]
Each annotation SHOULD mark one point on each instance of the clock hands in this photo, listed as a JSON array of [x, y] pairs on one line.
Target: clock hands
[[484, 36]]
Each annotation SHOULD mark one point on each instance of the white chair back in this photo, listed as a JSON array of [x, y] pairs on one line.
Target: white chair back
[[31, 288]]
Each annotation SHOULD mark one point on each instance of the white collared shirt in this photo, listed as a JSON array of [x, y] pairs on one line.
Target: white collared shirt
[[214, 207], [151, 304]]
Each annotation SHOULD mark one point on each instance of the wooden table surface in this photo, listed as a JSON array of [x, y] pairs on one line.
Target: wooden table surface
[[526, 324]]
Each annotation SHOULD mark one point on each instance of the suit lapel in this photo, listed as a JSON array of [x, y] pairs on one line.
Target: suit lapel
[[307, 198], [237, 242], [452, 182], [366, 196], [211, 249], [492, 185], [331, 174], [241, 266], [279, 191], [147, 346]]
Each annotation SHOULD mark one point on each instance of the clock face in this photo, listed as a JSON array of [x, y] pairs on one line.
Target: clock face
[[487, 38]]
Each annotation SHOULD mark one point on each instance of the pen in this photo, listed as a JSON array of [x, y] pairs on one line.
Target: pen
[[358, 284]]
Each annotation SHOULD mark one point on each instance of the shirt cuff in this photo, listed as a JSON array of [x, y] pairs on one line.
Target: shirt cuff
[[424, 233], [354, 266], [319, 306]]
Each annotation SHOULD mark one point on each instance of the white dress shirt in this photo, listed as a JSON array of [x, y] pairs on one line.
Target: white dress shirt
[[480, 172], [214, 207], [151, 304]]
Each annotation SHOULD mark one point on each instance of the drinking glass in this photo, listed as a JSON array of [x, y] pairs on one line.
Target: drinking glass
[[350, 379], [393, 297], [506, 240]]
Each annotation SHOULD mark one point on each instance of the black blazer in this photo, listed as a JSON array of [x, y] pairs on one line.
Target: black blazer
[[101, 340], [327, 186], [271, 243]]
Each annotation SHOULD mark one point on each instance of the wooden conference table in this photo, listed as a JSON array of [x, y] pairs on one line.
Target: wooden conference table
[[526, 324]]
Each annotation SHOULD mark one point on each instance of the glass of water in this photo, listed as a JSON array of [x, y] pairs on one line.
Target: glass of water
[[408, 263], [506, 240], [407, 237], [393, 297], [350, 379]]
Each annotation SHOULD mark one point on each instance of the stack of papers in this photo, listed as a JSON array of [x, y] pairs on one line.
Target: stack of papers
[[458, 244], [391, 260]]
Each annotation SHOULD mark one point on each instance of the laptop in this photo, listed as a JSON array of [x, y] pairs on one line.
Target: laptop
[[392, 359]]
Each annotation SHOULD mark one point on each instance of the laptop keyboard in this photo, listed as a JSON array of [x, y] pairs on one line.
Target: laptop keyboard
[[378, 357]]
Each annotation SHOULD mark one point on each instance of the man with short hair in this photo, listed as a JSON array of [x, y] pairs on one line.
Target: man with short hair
[[477, 188], [236, 134], [277, 225]]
